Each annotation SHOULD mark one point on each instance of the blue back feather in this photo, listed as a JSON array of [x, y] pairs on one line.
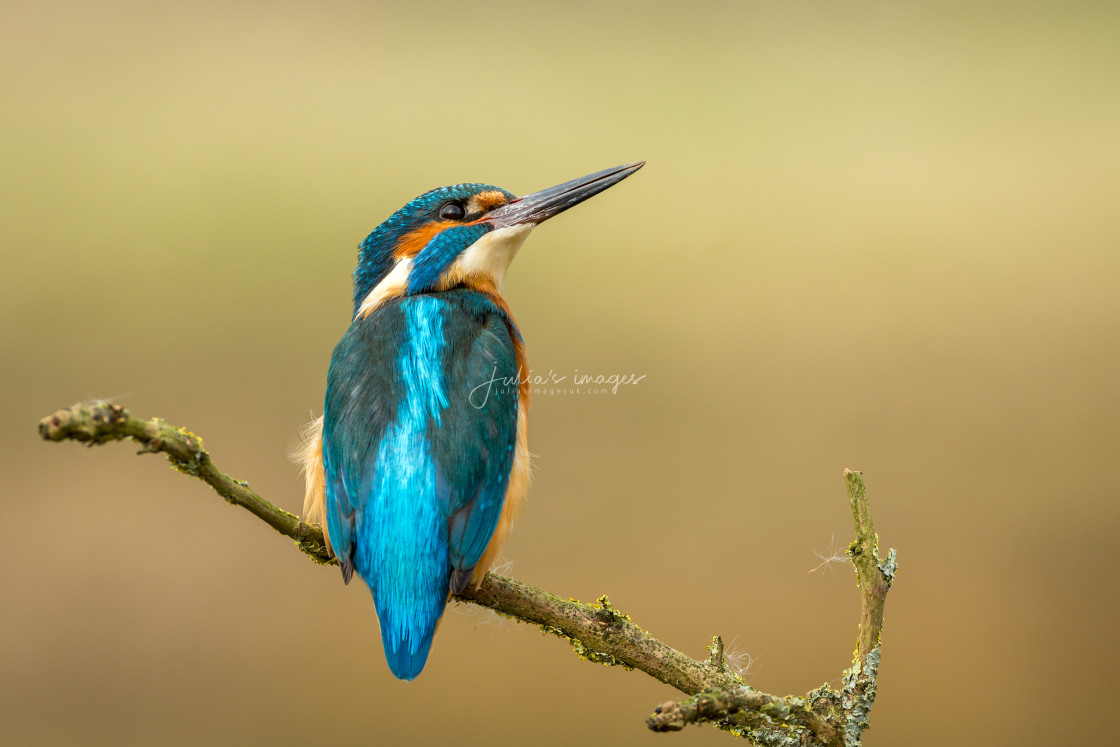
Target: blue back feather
[[416, 471]]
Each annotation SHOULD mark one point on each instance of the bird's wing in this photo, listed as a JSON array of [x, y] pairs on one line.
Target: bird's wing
[[363, 389], [474, 448]]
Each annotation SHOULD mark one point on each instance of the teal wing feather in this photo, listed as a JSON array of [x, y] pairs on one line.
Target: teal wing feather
[[474, 452]]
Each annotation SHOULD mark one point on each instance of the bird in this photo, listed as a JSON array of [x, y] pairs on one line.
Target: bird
[[420, 460]]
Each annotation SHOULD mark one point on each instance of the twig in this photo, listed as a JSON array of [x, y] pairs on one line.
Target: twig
[[597, 632], [875, 575]]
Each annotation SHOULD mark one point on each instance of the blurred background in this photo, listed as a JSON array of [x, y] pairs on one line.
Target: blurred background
[[874, 235]]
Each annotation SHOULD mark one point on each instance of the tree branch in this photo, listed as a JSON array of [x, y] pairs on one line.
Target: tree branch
[[99, 422], [597, 632]]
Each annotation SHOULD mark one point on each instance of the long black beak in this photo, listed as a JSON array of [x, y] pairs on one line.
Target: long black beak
[[540, 206]]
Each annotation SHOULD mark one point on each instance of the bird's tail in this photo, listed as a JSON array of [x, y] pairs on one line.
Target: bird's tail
[[408, 641], [405, 660]]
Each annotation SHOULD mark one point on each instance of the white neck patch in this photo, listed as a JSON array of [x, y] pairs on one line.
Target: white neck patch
[[392, 285]]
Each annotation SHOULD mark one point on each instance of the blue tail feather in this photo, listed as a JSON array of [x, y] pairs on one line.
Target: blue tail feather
[[407, 658], [406, 634]]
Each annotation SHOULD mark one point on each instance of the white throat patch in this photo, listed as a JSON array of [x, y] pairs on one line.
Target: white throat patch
[[492, 254]]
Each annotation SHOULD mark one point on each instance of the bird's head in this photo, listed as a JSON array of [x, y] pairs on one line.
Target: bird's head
[[463, 235]]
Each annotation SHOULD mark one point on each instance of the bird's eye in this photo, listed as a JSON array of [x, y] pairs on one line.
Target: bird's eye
[[452, 211]]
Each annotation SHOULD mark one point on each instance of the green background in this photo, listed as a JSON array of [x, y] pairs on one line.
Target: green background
[[877, 235]]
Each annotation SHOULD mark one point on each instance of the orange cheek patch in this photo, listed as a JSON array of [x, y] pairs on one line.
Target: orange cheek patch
[[413, 242]]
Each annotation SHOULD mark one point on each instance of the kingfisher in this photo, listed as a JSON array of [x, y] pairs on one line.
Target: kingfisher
[[418, 465]]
